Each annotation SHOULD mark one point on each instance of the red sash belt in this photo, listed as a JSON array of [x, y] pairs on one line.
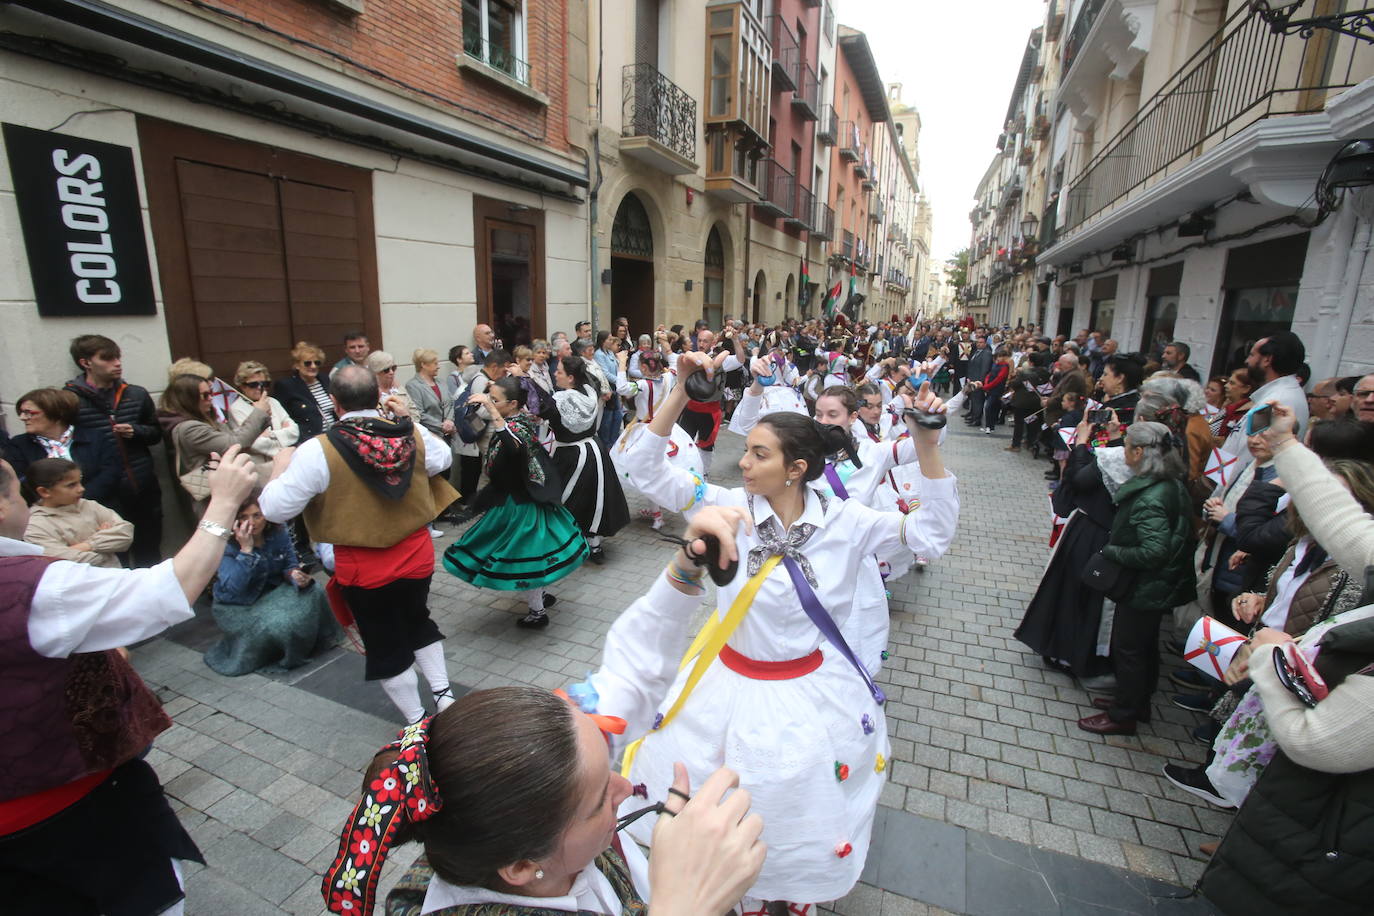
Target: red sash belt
[[770, 671]]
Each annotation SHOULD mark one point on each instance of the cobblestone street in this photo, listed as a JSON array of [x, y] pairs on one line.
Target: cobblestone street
[[997, 803]]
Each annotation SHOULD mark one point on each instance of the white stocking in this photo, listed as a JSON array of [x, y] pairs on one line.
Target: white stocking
[[432, 666], [402, 691], [535, 599]]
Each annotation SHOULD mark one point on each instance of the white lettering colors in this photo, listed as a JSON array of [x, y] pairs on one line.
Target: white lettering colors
[[83, 212]]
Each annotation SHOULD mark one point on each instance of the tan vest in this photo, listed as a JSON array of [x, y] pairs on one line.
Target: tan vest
[[353, 514]]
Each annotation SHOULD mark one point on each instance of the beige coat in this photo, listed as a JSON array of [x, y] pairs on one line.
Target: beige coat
[[56, 529]]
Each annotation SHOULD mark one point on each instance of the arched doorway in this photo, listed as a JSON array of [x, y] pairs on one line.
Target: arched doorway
[[789, 296], [713, 280], [632, 265], [760, 296]]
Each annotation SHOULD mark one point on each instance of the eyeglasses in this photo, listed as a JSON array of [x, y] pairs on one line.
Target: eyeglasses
[[258, 385], [310, 362], [387, 369], [30, 414], [1363, 393]]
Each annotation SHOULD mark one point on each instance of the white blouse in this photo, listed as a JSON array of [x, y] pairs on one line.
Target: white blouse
[[591, 891]]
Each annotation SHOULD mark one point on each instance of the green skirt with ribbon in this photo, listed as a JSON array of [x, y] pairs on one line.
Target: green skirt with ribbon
[[517, 546]]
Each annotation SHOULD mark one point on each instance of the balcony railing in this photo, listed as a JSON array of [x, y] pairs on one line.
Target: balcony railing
[[851, 147], [828, 130], [786, 54], [656, 108], [847, 244], [1245, 73], [806, 101], [802, 208], [1078, 35], [877, 211], [897, 279], [496, 57], [777, 189], [822, 221], [863, 166]]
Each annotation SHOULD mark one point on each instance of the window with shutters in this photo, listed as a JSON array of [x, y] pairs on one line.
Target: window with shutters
[[494, 33]]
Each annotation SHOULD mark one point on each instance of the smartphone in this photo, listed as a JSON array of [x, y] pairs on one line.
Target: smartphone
[[1100, 417], [1259, 419]]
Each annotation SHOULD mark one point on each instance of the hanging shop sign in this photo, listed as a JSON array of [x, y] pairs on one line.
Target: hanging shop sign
[[82, 224]]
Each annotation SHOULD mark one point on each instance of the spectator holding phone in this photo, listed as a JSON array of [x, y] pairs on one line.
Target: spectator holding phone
[[1277, 359]]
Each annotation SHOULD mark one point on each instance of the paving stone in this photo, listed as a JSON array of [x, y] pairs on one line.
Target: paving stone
[[280, 830], [198, 789], [242, 810], [252, 865]]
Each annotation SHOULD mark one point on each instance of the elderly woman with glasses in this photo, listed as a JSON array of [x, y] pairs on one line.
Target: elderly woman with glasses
[[253, 381], [383, 365], [305, 392]]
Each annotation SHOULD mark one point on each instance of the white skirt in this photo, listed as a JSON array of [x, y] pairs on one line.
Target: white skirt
[[804, 752]]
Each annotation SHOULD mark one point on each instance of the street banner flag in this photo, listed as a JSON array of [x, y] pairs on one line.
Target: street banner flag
[[1211, 646], [832, 298], [853, 278], [804, 287], [1219, 465], [1094, 405], [1067, 433]]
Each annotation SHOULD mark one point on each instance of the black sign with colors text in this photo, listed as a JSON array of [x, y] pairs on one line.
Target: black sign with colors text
[[82, 225]]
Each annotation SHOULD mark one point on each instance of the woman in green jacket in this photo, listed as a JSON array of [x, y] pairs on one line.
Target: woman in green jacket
[[1152, 539]]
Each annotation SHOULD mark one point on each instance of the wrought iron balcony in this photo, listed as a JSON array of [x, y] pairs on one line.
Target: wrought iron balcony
[[806, 101], [863, 166], [1244, 74], [828, 130], [851, 146], [877, 211], [777, 189], [802, 209], [847, 245], [1078, 35], [897, 280], [659, 121], [822, 221], [496, 56], [786, 54]]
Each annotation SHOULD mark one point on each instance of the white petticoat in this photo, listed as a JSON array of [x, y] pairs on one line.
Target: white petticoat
[[787, 740]]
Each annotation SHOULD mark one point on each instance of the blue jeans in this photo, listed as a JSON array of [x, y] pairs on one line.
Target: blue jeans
[[611, 423]]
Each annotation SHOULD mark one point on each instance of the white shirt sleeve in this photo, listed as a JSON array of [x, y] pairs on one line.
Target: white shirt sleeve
[[668, 485], [438, 454], [746, 415], [305, 478], [643, 650], [927, 530], [80, 608], [731, 363]]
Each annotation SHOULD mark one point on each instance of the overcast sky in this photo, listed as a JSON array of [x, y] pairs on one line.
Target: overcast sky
[[957, 63]]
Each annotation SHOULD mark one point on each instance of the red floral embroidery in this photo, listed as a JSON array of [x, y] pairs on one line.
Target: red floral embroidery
[[364, 846], [387, 787], [344, 902]]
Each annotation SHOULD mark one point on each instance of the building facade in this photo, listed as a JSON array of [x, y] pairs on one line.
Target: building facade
[[1189, 149], [288, 170]]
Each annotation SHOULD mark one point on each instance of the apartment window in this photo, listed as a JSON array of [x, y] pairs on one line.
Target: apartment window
[[494, 33]]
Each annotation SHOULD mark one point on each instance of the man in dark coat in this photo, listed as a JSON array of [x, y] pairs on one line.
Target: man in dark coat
[[125, 416], [979, 364]]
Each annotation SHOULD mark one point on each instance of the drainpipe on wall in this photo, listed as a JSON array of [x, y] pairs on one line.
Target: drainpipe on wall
[[748, 273], [594, 161]]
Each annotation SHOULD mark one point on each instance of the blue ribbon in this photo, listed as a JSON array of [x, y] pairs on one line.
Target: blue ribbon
[[826, 624]]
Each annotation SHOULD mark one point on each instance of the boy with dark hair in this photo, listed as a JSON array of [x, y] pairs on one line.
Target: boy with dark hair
[[126, 416]]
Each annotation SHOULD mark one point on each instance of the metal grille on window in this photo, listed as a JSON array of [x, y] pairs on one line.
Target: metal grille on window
[[631, 235]]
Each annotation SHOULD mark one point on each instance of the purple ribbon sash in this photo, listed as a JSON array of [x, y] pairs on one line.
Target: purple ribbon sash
[[833, 478], [826, 624]]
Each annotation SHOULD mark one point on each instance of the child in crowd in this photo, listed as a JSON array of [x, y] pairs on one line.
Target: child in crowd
[[1073, 415], [69, 527]]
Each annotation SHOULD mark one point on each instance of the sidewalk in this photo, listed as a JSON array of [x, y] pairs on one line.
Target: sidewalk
[[997, 803]]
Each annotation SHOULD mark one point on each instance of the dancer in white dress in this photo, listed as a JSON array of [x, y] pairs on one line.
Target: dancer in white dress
[[786, 708]]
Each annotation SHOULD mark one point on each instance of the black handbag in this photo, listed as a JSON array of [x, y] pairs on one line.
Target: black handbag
[[470, 426], [1112, 579]]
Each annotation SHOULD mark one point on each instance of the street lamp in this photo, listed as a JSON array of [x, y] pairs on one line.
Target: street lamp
[[1029, 225]]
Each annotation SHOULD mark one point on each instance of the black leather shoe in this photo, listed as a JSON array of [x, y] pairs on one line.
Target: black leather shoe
[[1103, 724]]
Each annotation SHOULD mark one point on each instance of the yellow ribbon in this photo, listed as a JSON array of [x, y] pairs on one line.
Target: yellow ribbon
[[706, 648]]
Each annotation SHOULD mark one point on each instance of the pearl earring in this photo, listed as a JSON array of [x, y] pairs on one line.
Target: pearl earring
[[787, 483], [539, 874]]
